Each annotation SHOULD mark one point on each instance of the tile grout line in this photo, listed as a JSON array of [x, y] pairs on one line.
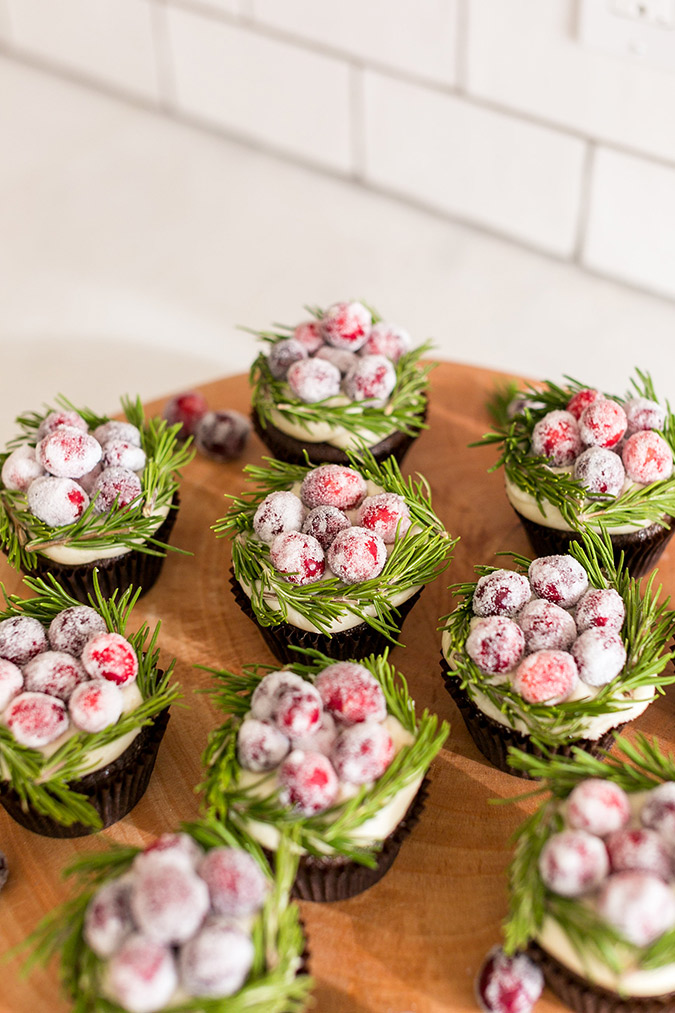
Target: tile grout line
[[587, 170]]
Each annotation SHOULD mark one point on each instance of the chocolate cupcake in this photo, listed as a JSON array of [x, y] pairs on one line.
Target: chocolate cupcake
[[574, 458], [556, 654], [83, 709], [79, 492], [332, 558], [340, 381], [330, 751]]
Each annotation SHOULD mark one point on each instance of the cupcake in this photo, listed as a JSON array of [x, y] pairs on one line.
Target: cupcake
[[80, 491], [342, 380], [559, 652], [83, 709], [334, 557], [331, 751], [196, 921], [574, 457]]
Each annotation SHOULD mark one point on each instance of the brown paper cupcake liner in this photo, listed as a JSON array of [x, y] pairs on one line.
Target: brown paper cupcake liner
[[357, 642], [585, 997], [113, 791]]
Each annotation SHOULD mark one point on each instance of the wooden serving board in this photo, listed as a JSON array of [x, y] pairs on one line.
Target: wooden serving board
[[412, 943]]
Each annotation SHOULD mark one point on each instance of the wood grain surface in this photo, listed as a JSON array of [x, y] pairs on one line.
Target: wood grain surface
[[413, 943]]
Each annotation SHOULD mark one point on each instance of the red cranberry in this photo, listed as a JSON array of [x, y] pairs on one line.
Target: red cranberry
[[560, 579], [237, 884], [308, 782], [53, 672], [36, 719], [278, 512], [108, 921], [642, 413], [346, 325], [602, 423], [313, 380], [283, 354], [333, 485], [647, 457], [109, 656], [573, 863], [639, 850], [114, 430], [21, 638], [351, 694], [57, 419], [11, 682], [169, 902], [186, 408], [89, 480], [388, 340], [495, 644], [546, 677], [387, 514], [600, 655], [120, 454], [115, 486], [508, 984], [267, 692], [546, 626], [357, 554], [581, 400], [95, 705], [638, 905], [222, 435], [600, 472], [601, 606], [598, 806], [321, 739], [309, 335], [71, 629], [372, 378], [362, 752], [142, 975], [260, 746], [502, 592], [298, 558], [170, 849], [556, 437], [340, 357], [67, 452], [324, 523], [217, 961], [20, 469], [298, 711], [658, 810], [57, 501]]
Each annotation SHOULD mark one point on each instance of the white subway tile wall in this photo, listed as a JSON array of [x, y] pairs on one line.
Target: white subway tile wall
[[488, 111]]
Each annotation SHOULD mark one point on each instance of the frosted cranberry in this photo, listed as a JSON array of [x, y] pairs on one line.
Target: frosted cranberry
[[169, 902], [333, 485], [235, 881], [508, 984], [372, 379], [89, 480], [647, 457], [71, 629], [217, 961], [298, 711], [581, 400], [53, 672], [268, 691], [602, 423], [114, 430], [170, 849], [495, 644], [36, 719], [546, 677], [324, 523], [573, 863], [313, 380], [308, 782], [67, 452], [560, 579], [280, 511], [308, 333], [601, 606], [346, 325], [186, 408], [362, 752], [107, 920], [518, 404], [283, 354], [20, 469], [320, 740], [340, 357], [298, 558], [95, 705], [600, 655], [556, 437], [357, 554], [597, 806], [11, 682], [639, 850], [388, 340], [502, 592], [600, 472], [658, 810], [351, 693], [546, 626], [642, 413], [57, 501], [21, 638], [115, 487], [260, 745], [142, 975], [120, 454], [387, 514], [57, 419], [638, 905], [109, 656], [222, 435]]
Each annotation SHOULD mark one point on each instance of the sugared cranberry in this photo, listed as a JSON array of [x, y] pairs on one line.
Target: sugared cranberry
[[217, 961], [573, 862], [36, 719], [546, 626], [114, 430], [333, 485], [71, 629], [519, 404], [546, 677], [560, 579], [21, 638], [362, 752], [308, 333], [600, 472], [658, 810], [598, 806], [501, 593], [115, 486], [308, 782], [351, 694], [108, 921], [639, 850], [600, 655], [357, 554], [169, 849], [556, 437], [67, 452], [283, 354], [581, 400], [142, 975], [268, 691], [508, 984], [639, 905], [222, 435], [495, 644], [169, 902], [324, 523], [600, 606], [278, 512], [260, 745], [11, 682], [388, 340], [95, 705], [109, 656], [120, 454], [186, 408], [387, 514], [321, 740], [237, 886], [20, 469], [53, 672], [297, 557], [346, 325], [89, 480], [647, 457], [642, 413], [57, 501], [57, 419], [372, 378], [314, 380], [298, 711], [602, 423], [340, 357]]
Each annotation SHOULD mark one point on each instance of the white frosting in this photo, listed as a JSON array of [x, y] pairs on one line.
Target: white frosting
[[69, 556], [322, 432], [551, 517]]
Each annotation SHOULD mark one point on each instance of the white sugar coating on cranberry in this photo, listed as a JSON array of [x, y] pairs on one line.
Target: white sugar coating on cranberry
[[268, 690], [107, 920], [71, 629], [640, 850], [114, 430], [95, 705], [320, 740], [57, 501], [236, 883], [61, 418], [279, 511], [20, 469], [21, 638], [216, 962], [340, 357], [508, 984], [388, 340], [222, 435], [560, 579], [187, 409], [324, 523], [643, 413], [142, 975], [308, 782], [546, 677], [297, 557], [115, 486], [600, 655], [109, 656], [502, 592], [333, 485], [11, 682], [638, 905], [600, 606], [35, 719], [120, 454], [168, 902], [357, 554], [573, 862], [373, 378], [346, 325], [581, 400], [89, 480], [546, 626], [647, 457], [351, 693], [598, 806], [283, 354], [600, 472], [602, 423], [298, 711], [495, 644], [556, 437], [308, 333], [260, 745], [313, 380], [658, 810], [169, 849], [387, 514], [362, 752], [53, 672], [67, 452]]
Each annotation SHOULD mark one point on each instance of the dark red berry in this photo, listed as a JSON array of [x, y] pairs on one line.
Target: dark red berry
[[222, 435], [186, 408]]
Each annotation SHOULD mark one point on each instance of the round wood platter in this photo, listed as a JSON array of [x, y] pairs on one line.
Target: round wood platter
[[412, 943]]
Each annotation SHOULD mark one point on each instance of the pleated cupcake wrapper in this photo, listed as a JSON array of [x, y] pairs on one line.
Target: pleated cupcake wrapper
[[357, 642], [493, 739], [642, 549], [113, 791], [585, 997]]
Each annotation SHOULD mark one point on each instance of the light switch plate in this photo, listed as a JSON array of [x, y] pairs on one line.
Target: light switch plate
[[641, 30]]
